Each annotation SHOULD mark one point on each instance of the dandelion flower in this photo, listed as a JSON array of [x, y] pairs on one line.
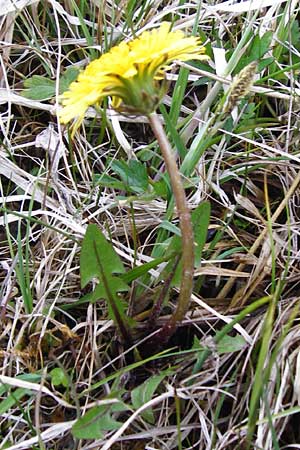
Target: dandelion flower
[[132, 74], [164, 45], [89, 88]]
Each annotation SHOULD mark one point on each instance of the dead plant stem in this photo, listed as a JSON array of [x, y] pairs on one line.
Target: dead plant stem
[[241, 292]]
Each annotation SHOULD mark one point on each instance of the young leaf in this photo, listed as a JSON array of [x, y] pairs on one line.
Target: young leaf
[[110, 182], [160, 188], [200, 221], [14, 395], [58, 377], [116, 284], [144, 393], [133, 174], [169, 121], [42, 88], [169, 226], [259, 47], [99, 260], [67, 78], [89, 267], [96, 421], [230, 344], [13, 398], [39, 88], [139, 271]]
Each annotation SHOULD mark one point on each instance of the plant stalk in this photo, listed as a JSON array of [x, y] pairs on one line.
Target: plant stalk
[[187, 235]]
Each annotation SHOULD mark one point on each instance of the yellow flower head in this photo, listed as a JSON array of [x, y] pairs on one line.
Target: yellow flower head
[[163, 44], [130, 73]]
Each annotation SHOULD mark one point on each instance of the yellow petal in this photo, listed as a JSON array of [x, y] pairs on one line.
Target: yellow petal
[[163, 43]]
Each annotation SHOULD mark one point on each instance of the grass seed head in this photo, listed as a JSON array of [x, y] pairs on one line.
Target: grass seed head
[[241, 86]]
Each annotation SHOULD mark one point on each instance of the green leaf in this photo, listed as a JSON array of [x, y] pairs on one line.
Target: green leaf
[[39, 88], [230, 344], [15, 395], [295, 34], [67, 78], [259, 47], [171, 118], [31, 377], [42, 88], [200, 221], [98, 259], [96, 421], [169, 226], [145, 154], [264, 63], [13, 398], [110, 182], [139, 271], [89, 267], [160, 188], [58, 377], [116, 284], [133, 174], [144, 393]]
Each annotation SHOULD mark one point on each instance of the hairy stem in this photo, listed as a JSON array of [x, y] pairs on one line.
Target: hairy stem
[[186, 228]]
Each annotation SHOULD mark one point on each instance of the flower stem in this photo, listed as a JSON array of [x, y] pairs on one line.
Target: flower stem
[[186, 228]]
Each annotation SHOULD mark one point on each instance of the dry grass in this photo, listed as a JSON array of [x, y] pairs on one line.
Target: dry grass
[[249, 172]]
